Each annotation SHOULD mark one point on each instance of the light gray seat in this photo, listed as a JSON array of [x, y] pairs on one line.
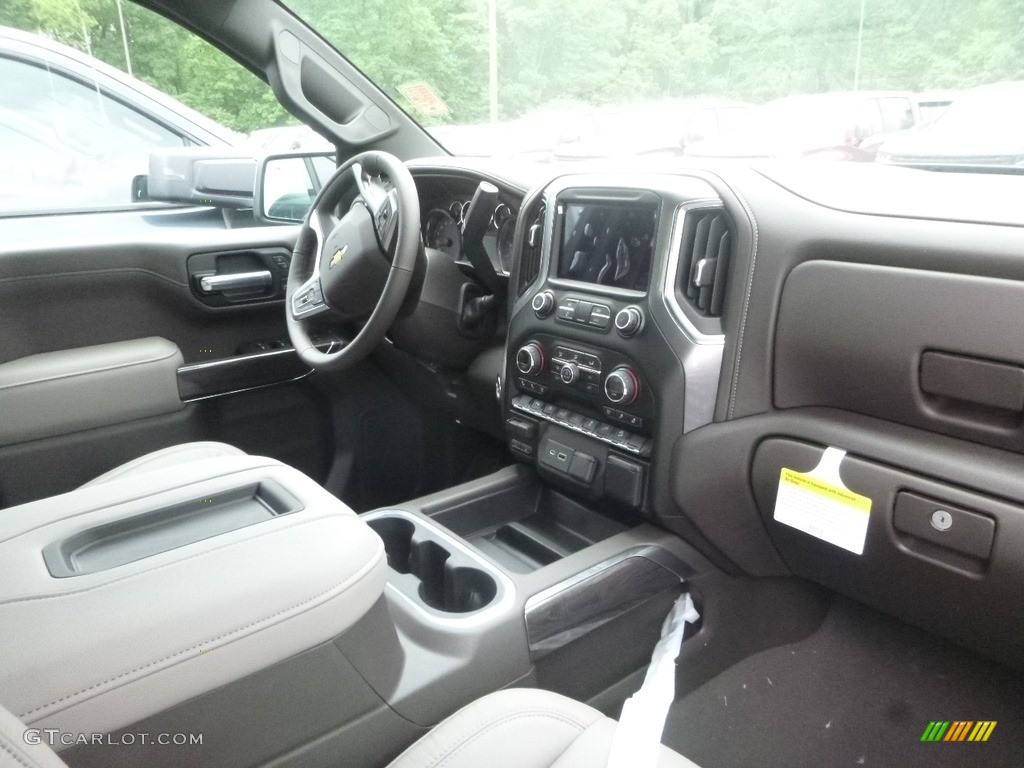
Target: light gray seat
[[523, 728], [517, 728], [167, 457], [18, 748]]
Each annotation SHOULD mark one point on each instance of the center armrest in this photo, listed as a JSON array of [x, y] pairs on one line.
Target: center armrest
[[122, 599]]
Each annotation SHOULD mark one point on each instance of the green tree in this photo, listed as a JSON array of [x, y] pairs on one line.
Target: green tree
[[556, 54]]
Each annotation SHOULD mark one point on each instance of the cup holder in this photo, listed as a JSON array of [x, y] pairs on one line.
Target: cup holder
[[397, 535], [467, 589], [440, 578], [429, 568]]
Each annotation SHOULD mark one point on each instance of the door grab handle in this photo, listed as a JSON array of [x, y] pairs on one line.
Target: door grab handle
[[239, 281]]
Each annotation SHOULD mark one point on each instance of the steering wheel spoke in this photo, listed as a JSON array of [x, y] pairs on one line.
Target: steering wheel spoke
[[307, 301], [383, 207], [386, 221]]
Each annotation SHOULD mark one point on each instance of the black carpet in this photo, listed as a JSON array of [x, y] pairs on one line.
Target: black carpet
[[858, 692]]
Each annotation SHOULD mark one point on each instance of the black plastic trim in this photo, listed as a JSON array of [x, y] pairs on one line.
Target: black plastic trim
[[151, 533]]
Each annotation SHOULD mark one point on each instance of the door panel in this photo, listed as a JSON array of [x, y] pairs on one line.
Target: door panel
[[74, 389], [73, 281], [73, 288]]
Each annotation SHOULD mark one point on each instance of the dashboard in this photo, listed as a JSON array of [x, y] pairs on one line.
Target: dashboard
[[673, 341], [611, 348]]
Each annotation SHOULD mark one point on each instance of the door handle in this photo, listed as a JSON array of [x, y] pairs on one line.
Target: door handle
[[239, 281]]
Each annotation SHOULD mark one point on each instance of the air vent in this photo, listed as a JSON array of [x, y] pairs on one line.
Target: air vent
[[704, 260], [529, 264]]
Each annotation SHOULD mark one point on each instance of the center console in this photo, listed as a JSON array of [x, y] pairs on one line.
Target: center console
[[505, 581], [545, 573]]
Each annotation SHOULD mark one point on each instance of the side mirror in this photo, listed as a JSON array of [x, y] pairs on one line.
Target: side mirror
[[286, 185], [140, 189], [200, 176]]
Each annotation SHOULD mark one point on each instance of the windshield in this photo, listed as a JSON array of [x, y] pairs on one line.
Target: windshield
[[562, 82]]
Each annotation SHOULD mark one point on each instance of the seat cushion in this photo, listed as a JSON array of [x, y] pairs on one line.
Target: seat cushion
[[22, 748], [518, 728], [522, 728], [167, 457]]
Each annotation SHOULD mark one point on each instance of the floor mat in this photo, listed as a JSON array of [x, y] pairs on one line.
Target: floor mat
[[860, 691]]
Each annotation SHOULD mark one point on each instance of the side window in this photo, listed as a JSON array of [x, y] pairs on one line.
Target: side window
[[85, 97], [67, 144]]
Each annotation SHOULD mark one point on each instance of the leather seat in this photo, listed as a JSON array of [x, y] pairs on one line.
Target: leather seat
[[523, 728], [167, 457], [518, 728], [17, 747]]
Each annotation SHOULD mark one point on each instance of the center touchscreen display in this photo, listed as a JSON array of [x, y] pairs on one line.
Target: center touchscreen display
[[608, 243]]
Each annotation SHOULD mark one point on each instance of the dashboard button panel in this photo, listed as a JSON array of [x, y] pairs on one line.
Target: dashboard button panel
[[584, 312], [532, 386], [569, 372], [619, 438], [567, 310], [600, 316], [631, 419]]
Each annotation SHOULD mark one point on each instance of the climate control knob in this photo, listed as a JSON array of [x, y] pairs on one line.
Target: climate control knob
[[543, 303], [622, 386], [629, 321], [530, 358], [569, 374]]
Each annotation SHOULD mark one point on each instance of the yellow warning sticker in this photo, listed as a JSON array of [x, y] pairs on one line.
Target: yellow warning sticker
[[818, 504]]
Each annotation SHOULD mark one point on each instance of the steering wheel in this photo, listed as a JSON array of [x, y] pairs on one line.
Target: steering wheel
[[356, 267]]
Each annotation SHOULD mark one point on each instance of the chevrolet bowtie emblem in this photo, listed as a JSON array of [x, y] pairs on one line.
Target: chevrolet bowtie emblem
[[338, 256]]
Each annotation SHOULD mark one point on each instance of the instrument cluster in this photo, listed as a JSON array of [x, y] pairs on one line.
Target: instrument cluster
[[444, 221]]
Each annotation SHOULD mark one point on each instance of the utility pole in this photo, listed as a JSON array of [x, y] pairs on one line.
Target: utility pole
[[492, 46], [124, 37], [860, 46]]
